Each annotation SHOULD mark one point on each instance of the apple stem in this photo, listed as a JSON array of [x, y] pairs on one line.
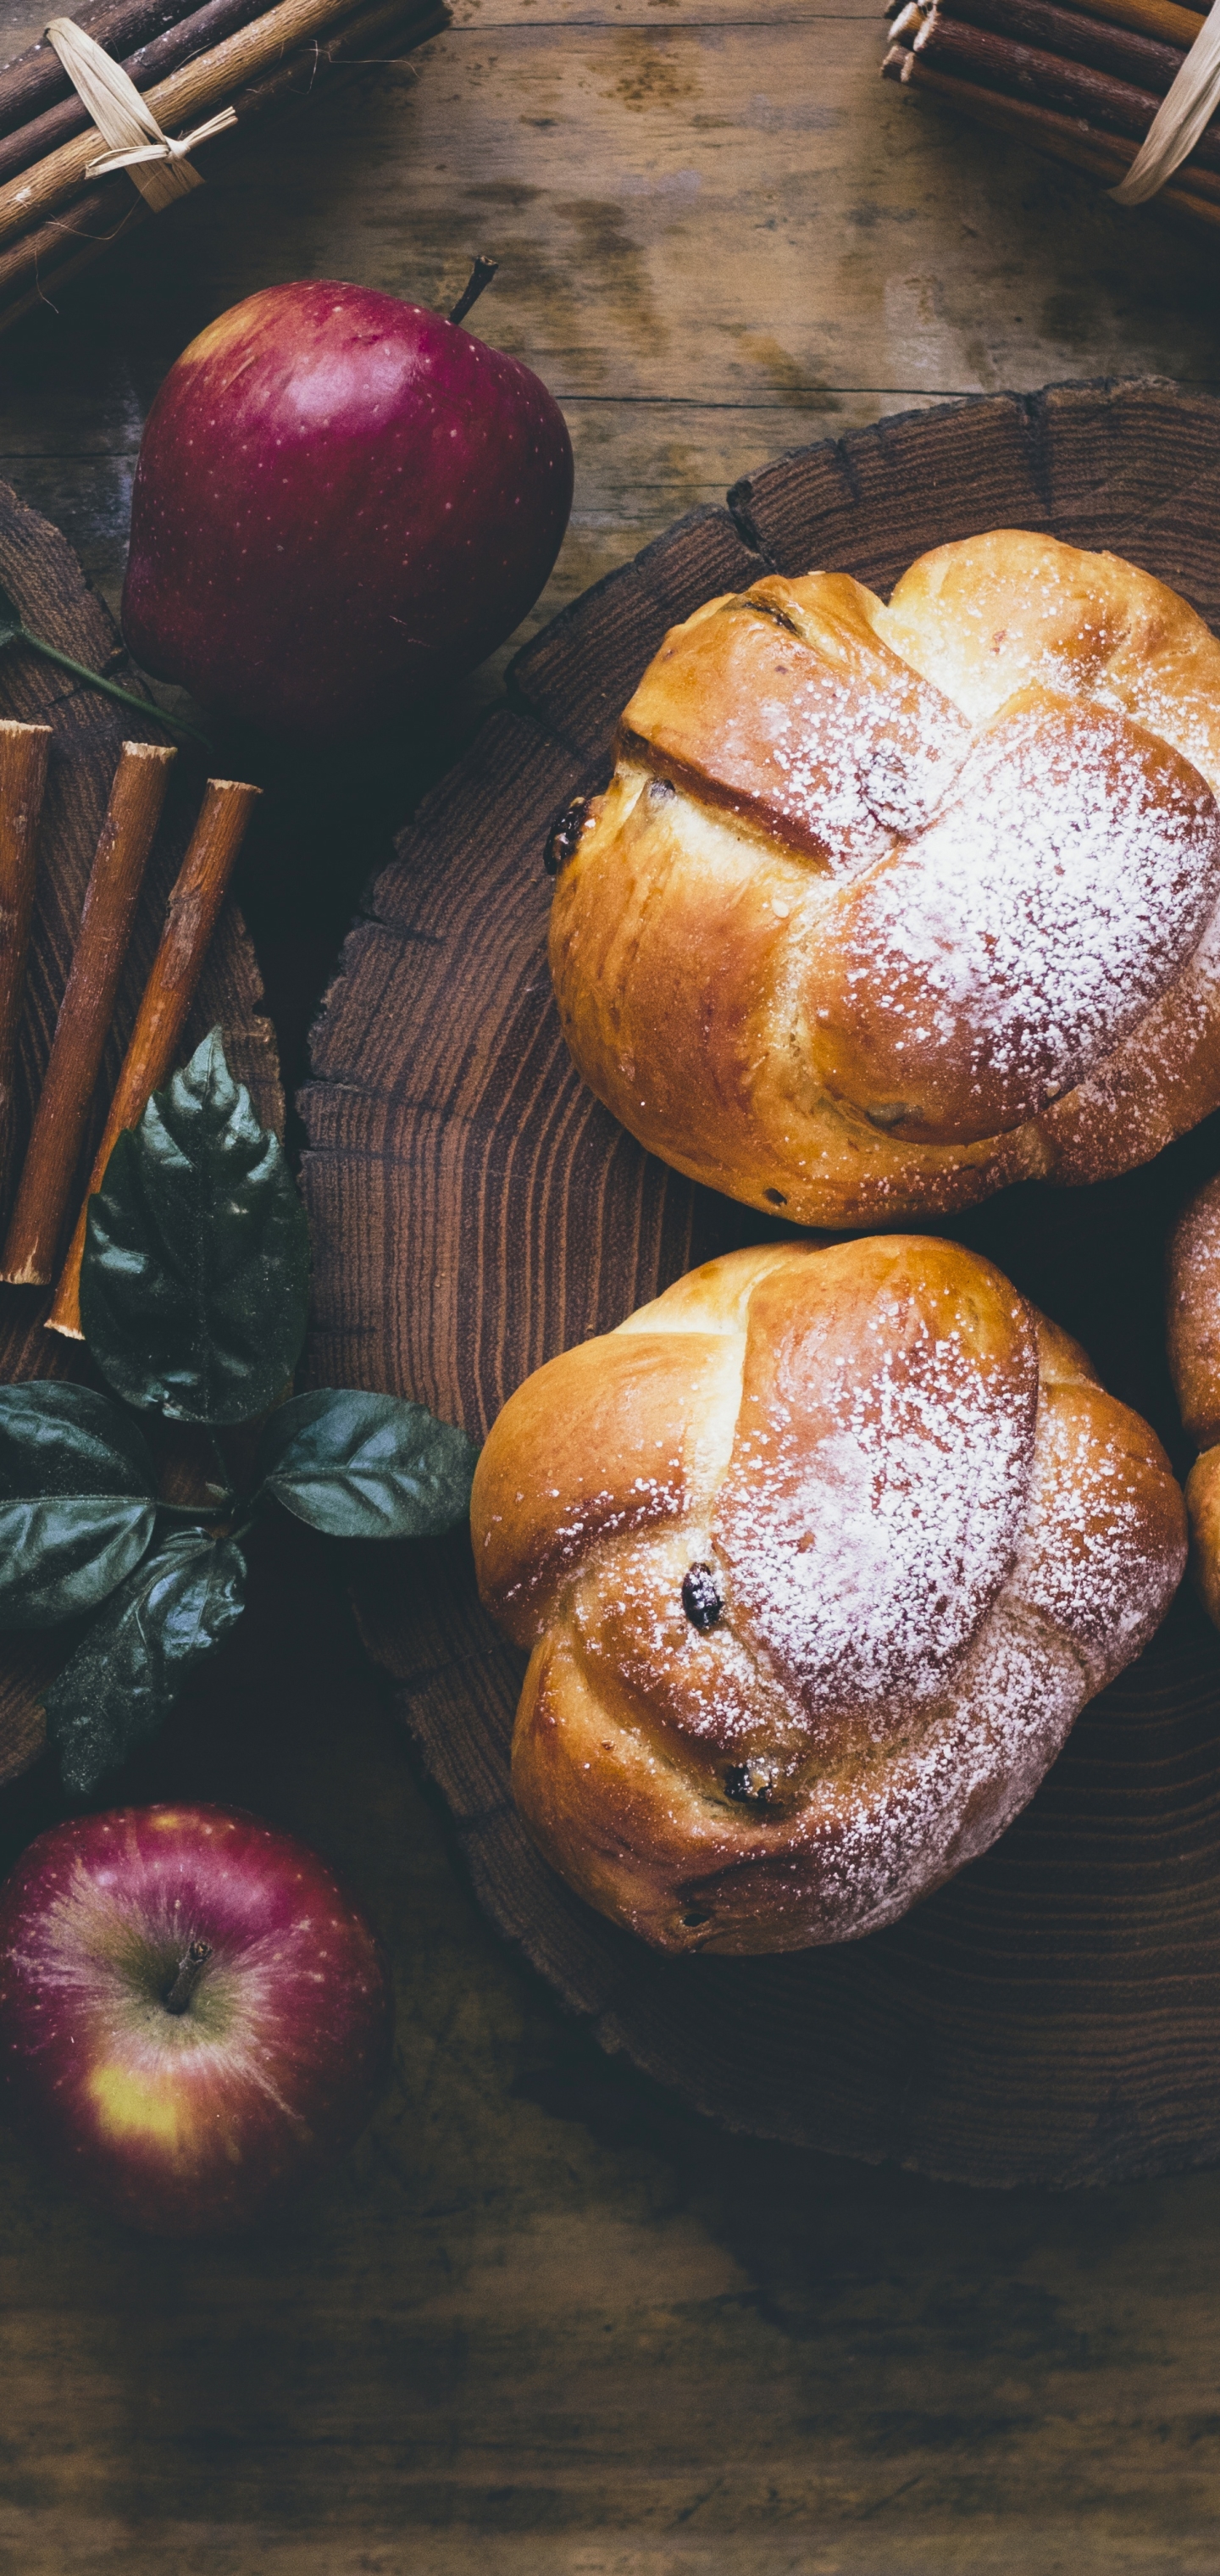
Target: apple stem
[[190, 1969], [480, 276]]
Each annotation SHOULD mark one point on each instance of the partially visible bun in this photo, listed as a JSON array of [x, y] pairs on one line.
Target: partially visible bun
[[887, 907], [817, 1559], [1194, 1362]]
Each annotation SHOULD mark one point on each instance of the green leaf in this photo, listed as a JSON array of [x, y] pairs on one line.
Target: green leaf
[[77, 1507], [359, 1465], [195, 1281], [126, 1674]]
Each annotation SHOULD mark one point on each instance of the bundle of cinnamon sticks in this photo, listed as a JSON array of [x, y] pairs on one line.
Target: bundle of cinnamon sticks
[[55, 219], [1081, 83], [43, 1201]]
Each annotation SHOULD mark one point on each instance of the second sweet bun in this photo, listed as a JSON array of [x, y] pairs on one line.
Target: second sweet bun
[[816, 1559], [886, 907], [1194, 1362]]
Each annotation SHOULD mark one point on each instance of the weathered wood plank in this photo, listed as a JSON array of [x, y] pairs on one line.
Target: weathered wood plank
[[548, 2324], [712, 236], [545, 2320]]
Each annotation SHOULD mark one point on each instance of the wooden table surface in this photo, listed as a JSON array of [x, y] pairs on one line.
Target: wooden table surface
[[545, 2323]]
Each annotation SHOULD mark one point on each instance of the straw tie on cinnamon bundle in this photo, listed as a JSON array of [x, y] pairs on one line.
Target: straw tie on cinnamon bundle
[[217, 70], [1128, 90]]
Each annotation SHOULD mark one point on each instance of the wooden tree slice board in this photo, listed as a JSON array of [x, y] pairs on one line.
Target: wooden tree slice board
[[41, 574], [1053, 2016]]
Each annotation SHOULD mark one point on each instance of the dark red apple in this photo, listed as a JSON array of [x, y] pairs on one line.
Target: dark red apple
[[194, 2016], [341, 500]]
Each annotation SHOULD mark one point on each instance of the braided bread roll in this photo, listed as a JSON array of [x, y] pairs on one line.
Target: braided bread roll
[[1194, 1363], [818, 1557], [887, 907]]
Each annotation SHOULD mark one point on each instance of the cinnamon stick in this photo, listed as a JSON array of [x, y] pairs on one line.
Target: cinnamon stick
[[24, 750], [40, 261], [32, 141], [1160, 18], [1063, 138], [189, 922], [132, 815], [36, 78], [207, 82], [1068, 32], [975, 53]]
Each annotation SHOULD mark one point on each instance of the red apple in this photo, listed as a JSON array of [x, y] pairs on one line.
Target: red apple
[[340, 501], [193, 2015]]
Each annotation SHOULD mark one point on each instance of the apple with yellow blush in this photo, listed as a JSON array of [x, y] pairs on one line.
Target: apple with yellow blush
[[342, 502], [195, 2016]]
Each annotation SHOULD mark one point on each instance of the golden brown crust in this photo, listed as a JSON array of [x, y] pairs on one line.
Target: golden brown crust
[[887, 907], [1203, 1507], [930, 1536], [1193, 1303], [1194, 1314]]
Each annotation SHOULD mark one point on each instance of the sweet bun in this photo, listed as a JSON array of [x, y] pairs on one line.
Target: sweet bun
[[1194, 1361], [887, 907], [817, 1559]]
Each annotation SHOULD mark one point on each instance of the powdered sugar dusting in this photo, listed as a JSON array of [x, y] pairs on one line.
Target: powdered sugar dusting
[[863, 1559], [1092, 1559], [872, 1848], [1035, 920], [851, 772]]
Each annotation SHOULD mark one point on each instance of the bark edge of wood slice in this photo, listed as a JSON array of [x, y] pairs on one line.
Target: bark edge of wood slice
[[1050, 2017], [42, 575]]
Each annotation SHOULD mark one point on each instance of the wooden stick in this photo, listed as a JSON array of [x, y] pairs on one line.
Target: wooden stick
[[208, 82], [127, 834], [41, 261], [1076, 38], [24, 750], [32, 141], [189, 922], [1064, 138], [974, 53]]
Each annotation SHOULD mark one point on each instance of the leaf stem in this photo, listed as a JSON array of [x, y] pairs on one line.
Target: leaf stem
[[196, 1511], [145, 707], [222, 1468]]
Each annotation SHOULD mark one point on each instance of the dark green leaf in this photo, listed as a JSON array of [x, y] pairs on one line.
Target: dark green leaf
[[57, 1439], [126, 1674], [10, 620], [76, 1507], [195, 1281], [63, 1554], [359, 1465]]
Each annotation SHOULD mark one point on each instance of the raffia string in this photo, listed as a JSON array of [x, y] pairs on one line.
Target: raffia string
[[160, 168], [1179, 121]]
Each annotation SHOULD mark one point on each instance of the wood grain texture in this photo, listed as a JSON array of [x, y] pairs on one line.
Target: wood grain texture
[[42, 575], [545, 2322], [548, 2322], [1049, 2016], [719, 233]]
